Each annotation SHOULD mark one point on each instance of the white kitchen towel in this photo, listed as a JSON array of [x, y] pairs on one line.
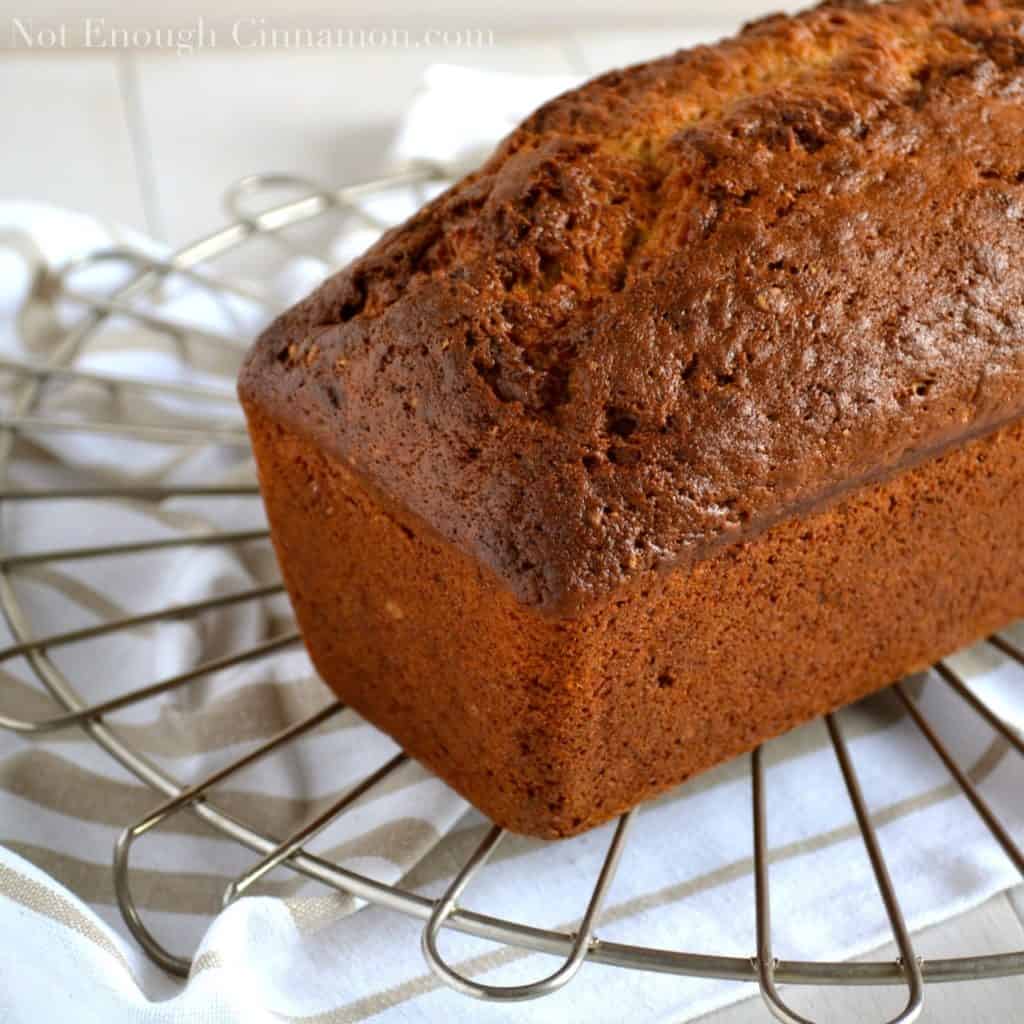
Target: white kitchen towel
[[308, 954]]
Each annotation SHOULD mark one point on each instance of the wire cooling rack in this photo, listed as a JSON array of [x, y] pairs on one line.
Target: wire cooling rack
[[286, 229]]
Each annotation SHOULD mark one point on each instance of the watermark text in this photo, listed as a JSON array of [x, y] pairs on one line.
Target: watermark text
[[245, 33]]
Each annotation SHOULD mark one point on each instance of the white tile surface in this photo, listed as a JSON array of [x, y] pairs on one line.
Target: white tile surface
[[686, 25], [214, 117], [602, 51], [65, 136]]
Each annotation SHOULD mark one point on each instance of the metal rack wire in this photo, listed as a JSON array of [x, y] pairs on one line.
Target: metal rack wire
[[138, 299]]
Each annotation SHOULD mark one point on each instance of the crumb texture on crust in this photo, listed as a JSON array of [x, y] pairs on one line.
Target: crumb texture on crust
[[688, 299]]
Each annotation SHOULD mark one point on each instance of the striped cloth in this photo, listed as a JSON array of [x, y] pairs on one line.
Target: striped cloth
[[301, 953]]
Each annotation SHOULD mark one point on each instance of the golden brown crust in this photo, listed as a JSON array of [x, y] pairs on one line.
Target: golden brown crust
[[696, 412], [687, 300]]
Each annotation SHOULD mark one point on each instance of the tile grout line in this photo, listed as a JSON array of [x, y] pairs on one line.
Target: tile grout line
[[138, 138], [1018, 911], [574, 55]]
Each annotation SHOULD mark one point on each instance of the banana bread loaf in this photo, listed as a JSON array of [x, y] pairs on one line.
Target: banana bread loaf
[[694, 413]]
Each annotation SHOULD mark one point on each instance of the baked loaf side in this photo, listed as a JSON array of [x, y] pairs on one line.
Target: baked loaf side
[[551, 726], [687, 301]]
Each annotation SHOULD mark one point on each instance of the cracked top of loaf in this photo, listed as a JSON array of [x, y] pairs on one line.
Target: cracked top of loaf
[[687, 299]]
